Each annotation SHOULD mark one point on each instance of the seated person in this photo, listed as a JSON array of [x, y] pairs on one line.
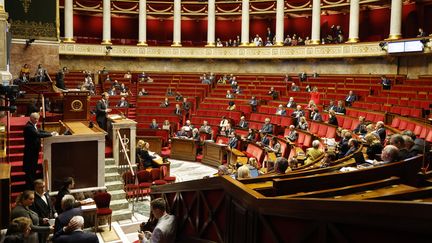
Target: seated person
[[186, 105], [122, 103], [353, 146], [25, 70], [179, 97], [389, 154], [294, 87], [233, 140], [229, 95], [73, 232], [166, 125], [340, 108], [237, 90], [142, 92], [205, 128], [182, 133], [223, 123], [291, 103], [165, 103], [69, 210], [273, 93], [243, 123], [275, 146], [398, 141], [188, 126], [231, 106], [143, 157], [41, 73], [251, 136], [19, 230], [115, 84], [154, 125], [380, 131], [68, 184], [292, 135], [169, 92], [124, 90], [413, 149], [112, 91], [329, 157], [253, 103], [361, 127], [195, 135], [143, 77], [332, 119], [165, 227], [281, 165], [315, 115], [253, 167], [107, 78], [127, 75], [243, 172], [267, 127], [227, 130], [350, 98], [280, 111], [386, 83], [331, 106], [178, 110], [297, 114], [313, 153], [303, 125], [374, 146]]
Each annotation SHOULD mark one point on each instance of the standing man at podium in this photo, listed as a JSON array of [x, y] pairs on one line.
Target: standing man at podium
[[32, 145], [102, 111]]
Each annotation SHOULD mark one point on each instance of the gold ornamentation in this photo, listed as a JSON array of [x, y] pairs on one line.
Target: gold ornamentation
[[26, 5], [77, 105], [192, 11], [125, 9], [25, 29], [262, 9], [298, 7], [88, 7], [228, 11]]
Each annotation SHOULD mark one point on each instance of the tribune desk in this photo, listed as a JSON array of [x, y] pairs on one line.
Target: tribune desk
[[80, 155], [127, 129], [184, 149], [213, 153]]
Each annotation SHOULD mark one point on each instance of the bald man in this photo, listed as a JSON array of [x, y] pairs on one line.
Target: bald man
[[73, 232]]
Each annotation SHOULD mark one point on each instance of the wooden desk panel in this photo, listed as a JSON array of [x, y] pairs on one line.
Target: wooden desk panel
[[154, 141], [183, 149], [213, 153]]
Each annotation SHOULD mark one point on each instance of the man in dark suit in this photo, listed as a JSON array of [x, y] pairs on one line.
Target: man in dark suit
[[291, 103], [233, 141], [186, 105], [32, 144], [292, 135], [243, 123], [267, 128], [73, 233], [102, 111], [351, 97], [42, 206], [253, 103], [381, 131], [69, 211]]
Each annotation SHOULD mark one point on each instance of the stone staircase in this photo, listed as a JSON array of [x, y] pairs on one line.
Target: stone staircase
[[114, 185]]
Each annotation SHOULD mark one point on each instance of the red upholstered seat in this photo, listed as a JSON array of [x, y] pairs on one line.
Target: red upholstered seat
[[331, 132], [168, 179], [103, 200], [104, 211], [314, 127], [403, 125], [410, 126], [322, 130], [417, 129], [395, 122], [424, 132], [429, 137], [347, 123]]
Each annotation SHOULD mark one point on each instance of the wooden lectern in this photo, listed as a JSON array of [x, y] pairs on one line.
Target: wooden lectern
[[75, 106], [213, 153], [124, 129], [184, 149], [80, 155]]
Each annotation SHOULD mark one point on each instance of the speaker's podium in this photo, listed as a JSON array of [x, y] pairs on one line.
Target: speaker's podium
[[75, 105], [123, 139], [80, 154]]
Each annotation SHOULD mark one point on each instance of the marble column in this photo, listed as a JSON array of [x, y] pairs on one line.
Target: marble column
[[142, 23], [5, 75], [245, 23], [354, 21], [177, 24], [396, 20], [106, 36], [211, 23], [280, 4], [316, 22], [2, 4], [68, 21]]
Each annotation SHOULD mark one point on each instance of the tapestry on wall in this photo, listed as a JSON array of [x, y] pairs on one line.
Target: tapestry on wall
[[33, 19]]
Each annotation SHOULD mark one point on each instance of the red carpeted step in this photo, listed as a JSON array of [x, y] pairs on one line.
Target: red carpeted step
[[16, 141], [199, 157], [16, 134], [16, 149]]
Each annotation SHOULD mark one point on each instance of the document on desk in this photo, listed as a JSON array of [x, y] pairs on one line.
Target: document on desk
[[88, 207]]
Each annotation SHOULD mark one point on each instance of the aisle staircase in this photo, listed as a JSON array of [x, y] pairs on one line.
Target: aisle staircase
[[114, 184]]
